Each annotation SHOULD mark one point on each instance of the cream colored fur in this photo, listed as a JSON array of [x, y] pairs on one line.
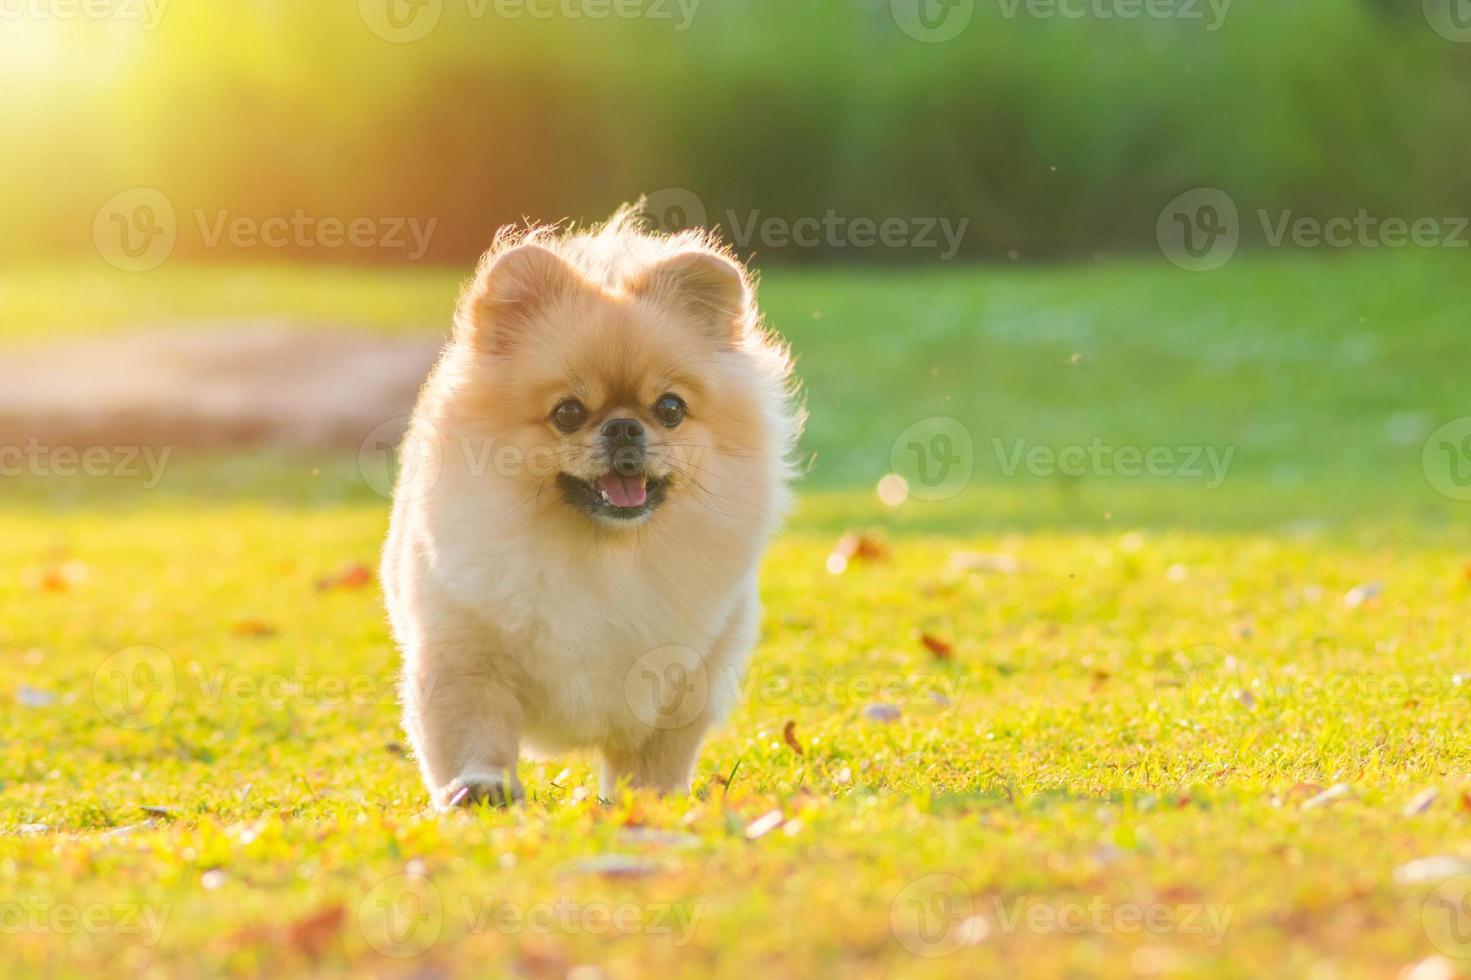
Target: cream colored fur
[[524, 622]]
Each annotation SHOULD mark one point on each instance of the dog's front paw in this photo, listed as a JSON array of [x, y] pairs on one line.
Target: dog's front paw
[[480, 789]]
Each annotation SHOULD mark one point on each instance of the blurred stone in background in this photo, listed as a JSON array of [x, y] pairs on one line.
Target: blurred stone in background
[[214, 385]]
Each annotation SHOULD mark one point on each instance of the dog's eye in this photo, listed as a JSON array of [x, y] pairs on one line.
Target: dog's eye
[[670, 410], [569, 415]]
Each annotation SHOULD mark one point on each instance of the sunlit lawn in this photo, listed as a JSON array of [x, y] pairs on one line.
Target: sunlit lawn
[[1156, 728]]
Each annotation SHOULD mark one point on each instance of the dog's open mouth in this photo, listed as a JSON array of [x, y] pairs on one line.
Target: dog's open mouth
[[613, 496]]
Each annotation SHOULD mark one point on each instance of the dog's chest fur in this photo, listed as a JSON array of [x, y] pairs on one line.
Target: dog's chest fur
[[573, 628]]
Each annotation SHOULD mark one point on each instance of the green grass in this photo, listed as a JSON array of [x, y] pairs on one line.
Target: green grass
[[1135, 715]]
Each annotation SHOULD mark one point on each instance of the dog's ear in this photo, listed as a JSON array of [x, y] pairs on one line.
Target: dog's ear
[[509, 289], [705, 286]]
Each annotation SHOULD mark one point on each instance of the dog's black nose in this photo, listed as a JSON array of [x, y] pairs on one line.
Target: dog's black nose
[[625, 438], [623, 432]]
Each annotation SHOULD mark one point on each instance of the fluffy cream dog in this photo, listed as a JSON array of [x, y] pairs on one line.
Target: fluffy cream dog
[[592, 473]]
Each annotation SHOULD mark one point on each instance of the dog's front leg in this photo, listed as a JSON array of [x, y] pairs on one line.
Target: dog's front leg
[[465, 725], [665, 762]]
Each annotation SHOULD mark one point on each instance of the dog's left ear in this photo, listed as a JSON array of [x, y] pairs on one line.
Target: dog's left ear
[[509, 290], [705, 286]]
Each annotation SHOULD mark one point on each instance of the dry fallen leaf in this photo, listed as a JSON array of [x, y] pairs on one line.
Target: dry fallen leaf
[[856, 546], [1421, 802], [34, 697], [314, 934], [881, 712], [354, 576], [614, 866], [1303, 791], [1430, 968], [52, 580], [56, 578], [975, 561], [764, 825], [253, 627], [1333, 794], [1432, 870], [942, 649], [789, 735]]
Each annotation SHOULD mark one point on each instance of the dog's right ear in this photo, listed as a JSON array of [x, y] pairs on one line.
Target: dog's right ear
[[508, 291]]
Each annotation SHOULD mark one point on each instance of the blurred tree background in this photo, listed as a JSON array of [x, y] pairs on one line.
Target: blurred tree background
[[1056, 137]]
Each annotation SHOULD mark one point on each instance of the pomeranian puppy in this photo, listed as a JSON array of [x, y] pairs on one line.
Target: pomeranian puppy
[[591, 475]]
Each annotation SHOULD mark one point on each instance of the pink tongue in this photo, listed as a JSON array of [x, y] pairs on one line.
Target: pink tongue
[[624, 491]]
